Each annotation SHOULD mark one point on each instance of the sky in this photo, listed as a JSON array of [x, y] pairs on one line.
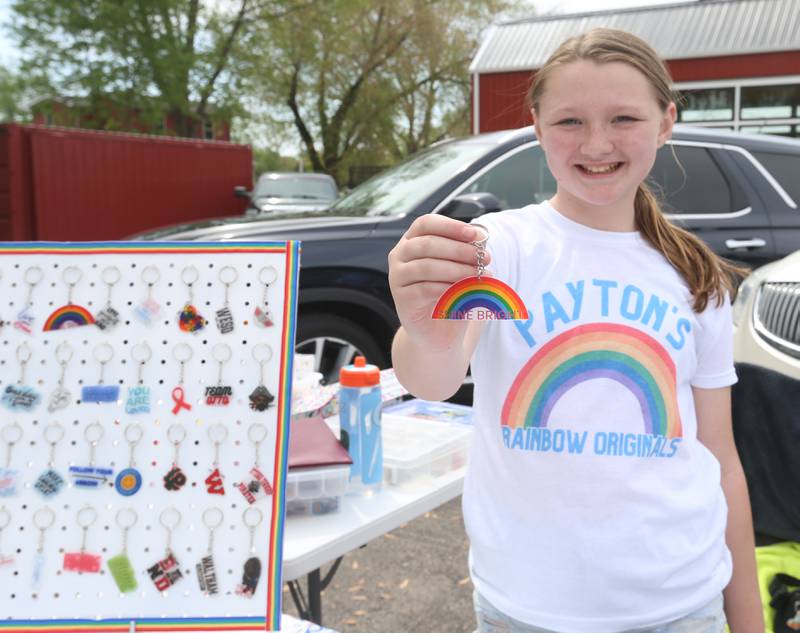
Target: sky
[[9, 55]]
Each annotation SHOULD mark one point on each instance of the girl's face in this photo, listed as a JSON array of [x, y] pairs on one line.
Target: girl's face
[[600, 126]]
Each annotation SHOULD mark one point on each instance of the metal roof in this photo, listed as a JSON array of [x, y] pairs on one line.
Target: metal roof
[[699, 28]]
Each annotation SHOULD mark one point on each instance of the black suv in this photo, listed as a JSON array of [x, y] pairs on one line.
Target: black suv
[[737, 192]]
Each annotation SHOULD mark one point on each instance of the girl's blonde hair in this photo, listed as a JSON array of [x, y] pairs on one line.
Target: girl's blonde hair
[[706, 274]]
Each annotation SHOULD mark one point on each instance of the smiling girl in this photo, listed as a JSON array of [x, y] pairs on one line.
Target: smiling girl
[[604, 492]]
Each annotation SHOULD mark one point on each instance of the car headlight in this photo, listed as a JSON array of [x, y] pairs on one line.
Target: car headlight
[[746, 288]]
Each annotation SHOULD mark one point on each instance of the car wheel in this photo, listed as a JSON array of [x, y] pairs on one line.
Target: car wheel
[[335, 342]]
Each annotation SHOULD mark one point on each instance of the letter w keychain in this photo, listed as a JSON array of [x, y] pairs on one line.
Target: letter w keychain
[[83, 562], [217, 434], [252, 518], [224, 317], [258, 487], [491, 298], [120, 565], [206, 570]]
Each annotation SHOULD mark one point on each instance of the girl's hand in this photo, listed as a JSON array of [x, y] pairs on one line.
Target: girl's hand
[[434, 253]]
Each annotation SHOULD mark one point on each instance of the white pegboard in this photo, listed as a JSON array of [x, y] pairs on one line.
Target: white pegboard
[[61, 594]]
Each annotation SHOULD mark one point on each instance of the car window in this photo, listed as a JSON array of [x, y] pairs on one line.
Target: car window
[[295, 188], [785, 168], [521, 179], [692, 184]]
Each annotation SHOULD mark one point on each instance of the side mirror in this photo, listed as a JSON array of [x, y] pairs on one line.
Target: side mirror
[[469, 206], [241, 192]]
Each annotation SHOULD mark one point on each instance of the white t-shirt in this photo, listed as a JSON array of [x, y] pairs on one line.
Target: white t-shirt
[[589, 502]]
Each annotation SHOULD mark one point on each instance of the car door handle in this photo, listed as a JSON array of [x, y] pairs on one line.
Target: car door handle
[[755, 242]]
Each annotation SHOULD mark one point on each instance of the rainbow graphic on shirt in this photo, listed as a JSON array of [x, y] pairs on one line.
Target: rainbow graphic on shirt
[[67, 316], [491, 294], [597, 350]]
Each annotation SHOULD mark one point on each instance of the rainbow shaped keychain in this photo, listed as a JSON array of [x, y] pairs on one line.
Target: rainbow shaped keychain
[[490, 298]]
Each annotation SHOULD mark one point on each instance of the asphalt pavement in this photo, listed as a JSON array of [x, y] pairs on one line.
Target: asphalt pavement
[[412, 579]]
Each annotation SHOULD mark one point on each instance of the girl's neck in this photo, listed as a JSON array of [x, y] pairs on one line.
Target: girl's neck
[[616, 217]]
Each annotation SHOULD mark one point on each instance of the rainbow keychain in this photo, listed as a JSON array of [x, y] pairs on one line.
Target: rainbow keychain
[[189, 319], [258, 487], [148, 309], [82, 561], [252, 566], [491, 298], [50, 482], [21, 397], [25, 319], [129, 480], [43, 520], [206, 569], [217, 434], [167, 571], [69, 315], [10, 478], [138, 400], [120, 565], [61, 396], [108, 317]]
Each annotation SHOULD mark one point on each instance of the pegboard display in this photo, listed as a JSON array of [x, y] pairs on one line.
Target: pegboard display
[[144, 392]]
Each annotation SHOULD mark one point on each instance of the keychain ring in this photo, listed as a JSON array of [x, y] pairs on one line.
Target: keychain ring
[[228, 275], [111, 275], [211, 524], [182, 352], [221, 352], [103, 353], [12, 433], [129, 512], [252, 510], [268, 275], [33, 275], [181, 433], [141, 352], [71, 275], [83, 512], [24, 352], [64, 352], [96, 436], [261, 353], [53, 427], [5, 518], [150, 275], [168, 512], [190, 275], [257, 433], [481, 243], [218, 433], [134, 433], [46, 512]]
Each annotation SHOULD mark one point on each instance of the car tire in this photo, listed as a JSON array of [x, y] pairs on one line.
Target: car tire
[[336, 341]]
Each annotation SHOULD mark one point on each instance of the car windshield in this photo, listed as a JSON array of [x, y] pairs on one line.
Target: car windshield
[[399, 190], [288, 187]]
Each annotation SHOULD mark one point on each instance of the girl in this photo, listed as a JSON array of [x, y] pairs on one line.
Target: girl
[[604, 491]]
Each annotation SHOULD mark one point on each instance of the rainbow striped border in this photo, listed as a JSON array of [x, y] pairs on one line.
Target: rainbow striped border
[[271, 622]]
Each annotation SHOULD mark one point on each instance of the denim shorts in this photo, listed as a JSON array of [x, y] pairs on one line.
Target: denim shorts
[[708, 619]]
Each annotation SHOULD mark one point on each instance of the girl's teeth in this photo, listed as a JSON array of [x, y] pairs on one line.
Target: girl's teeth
[[600, 170]]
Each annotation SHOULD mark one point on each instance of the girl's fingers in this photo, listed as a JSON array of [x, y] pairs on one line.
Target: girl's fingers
[[432, 270], [437, 247], [434, 224]]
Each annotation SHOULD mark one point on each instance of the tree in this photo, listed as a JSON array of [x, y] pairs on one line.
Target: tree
[[358, 74], [11, 96], [161, 57]]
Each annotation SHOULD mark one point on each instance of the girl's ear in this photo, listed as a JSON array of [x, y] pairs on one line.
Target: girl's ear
[[667, 121]]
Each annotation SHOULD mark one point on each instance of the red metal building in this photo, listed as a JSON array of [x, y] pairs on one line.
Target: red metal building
[[736, 62]]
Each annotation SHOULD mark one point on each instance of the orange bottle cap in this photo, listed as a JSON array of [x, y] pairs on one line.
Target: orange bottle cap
[[359, 374]]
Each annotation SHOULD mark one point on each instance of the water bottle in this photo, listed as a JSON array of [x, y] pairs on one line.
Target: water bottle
[[360, 422]]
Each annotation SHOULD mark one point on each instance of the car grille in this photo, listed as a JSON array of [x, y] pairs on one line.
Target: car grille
[[777, 315]]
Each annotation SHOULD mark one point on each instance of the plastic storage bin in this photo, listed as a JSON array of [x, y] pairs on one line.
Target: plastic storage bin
[[315, 490], [415, 450]]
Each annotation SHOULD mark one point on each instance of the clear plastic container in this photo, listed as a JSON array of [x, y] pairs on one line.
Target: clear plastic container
[[415, 450], [316, 490]]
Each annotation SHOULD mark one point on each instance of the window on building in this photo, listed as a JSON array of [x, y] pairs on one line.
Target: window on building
[[784, 168], [770, 102], [208, 129], [521, 179], [707, 104], [696, 185]]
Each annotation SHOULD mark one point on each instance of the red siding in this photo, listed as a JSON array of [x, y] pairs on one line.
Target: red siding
[[102, 186], [502, 95]]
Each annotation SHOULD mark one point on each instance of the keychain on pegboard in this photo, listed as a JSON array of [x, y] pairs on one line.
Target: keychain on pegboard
[[148, 309], [82, 561], [129, 480], [108, 317], [71, 314], [189, 319], [167, 572], [43, 520], [206, 569], [101, 393], [220, 394], [224, 316], [91, 476], [10, 478], [6, 560], [175, 479], [138, 400], [120, 565], [258, 486], [251, 574], [217, 434], [25, 319], [50, 482], [183, 354], [21, 397], [61, 396]]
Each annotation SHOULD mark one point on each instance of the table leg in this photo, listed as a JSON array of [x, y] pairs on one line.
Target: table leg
[[311, 609]]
